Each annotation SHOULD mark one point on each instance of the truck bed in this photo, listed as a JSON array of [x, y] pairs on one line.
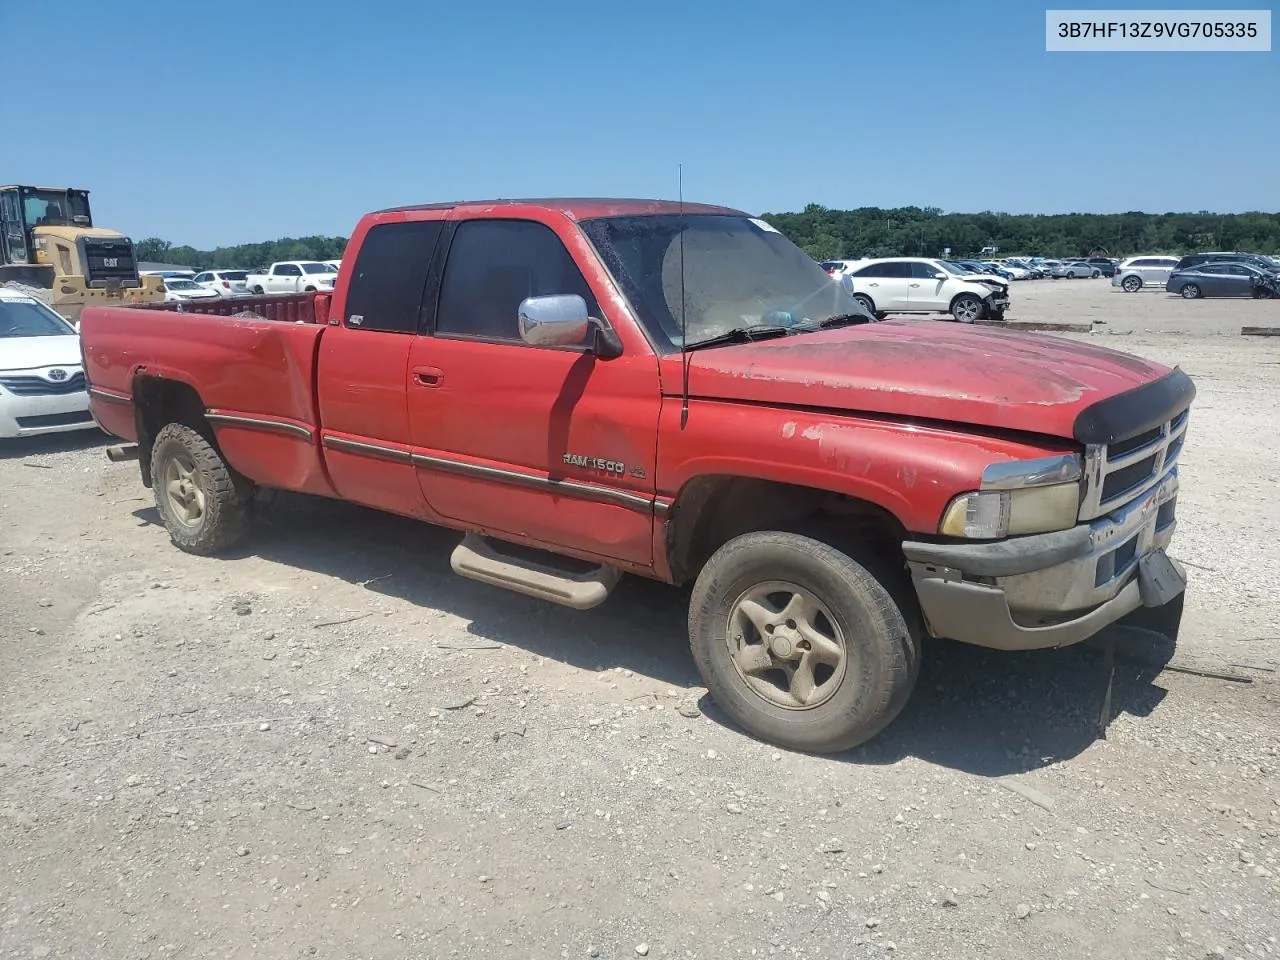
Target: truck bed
[[287, 307], [257, 370]]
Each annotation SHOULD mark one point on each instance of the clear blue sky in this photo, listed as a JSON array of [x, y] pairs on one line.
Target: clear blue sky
[[236, 121]]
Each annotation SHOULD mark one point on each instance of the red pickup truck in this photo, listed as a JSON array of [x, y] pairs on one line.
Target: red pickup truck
[[587, 388]]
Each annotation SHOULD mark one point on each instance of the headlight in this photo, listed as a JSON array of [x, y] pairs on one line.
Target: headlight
[[1018, 497]]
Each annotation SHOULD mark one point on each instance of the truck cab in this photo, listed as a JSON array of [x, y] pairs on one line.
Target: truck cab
[[48, 241]]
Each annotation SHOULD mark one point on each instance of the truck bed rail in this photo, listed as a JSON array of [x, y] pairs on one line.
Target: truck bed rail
[[285, 307]]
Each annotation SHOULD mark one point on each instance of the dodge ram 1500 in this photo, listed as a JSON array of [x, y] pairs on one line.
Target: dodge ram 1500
[[678, 392]]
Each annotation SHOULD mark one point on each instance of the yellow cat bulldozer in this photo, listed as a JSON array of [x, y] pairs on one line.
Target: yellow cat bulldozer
[[48, 243]]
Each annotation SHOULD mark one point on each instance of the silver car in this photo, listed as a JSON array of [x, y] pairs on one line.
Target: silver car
[[1079, 268], [1138, 272]]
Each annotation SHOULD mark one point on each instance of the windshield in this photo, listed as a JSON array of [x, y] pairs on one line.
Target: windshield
[[175, 284], [954, 268], [317, 268], [23, 317], [738, 272], [54, 208]]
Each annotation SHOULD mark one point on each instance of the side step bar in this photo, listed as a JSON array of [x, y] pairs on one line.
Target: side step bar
[[475, 559]]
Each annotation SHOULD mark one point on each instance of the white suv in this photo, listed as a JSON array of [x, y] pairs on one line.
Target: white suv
[[1138, 272], [917, 285]]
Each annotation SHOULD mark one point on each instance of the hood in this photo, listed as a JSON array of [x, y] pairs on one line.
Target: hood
[[990, 279], [30, 353], [925, 369]]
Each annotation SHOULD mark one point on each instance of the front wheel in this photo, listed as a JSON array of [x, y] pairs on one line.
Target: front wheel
[[966, 308], [1189, 291], [259, 291], [800, 644], [205, 505]]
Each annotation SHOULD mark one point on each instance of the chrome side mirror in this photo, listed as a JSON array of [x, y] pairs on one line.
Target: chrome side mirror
[[560, 320]]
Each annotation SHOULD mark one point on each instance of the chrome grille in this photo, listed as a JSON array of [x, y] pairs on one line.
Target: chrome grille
[[1119, 473], [30, 386]]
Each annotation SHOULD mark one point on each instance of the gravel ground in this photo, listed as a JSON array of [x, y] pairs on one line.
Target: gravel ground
[[329, 746]]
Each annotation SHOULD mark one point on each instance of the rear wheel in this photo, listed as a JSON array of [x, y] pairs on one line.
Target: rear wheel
[[799, 643], [966, 308], [1190, 291], [205, 505], [1131, 284], [1096, 274]]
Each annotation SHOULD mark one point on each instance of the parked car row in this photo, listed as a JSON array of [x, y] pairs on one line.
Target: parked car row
[[1200, 273], [286, 276], [1010, 268]]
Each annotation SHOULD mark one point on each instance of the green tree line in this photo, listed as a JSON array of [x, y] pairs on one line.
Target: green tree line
[[827, 234], [246, 256]]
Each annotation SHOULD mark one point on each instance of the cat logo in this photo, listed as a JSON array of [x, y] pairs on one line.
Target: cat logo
[[595, 463]]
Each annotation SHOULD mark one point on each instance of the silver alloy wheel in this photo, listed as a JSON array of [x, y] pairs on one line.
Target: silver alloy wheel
[[184, 490], [967, 309], [786, 646], [1190, 291], [1131, 284]]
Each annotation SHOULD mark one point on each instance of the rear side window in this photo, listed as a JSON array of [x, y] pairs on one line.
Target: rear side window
[[385, 291], [897, 268], [875, 270], [495, 264]]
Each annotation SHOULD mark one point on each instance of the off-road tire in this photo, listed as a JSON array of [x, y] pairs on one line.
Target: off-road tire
[[881, 658], [228, 497]]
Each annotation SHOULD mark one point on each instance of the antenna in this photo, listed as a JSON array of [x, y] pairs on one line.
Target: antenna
[[684, 327]]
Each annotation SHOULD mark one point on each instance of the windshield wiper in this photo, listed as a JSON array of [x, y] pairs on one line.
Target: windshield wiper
[[763, 331], [844, 319], [839, 320]]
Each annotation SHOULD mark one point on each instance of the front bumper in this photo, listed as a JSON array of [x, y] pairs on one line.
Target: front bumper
[[35, 415], [996, 303], [1052, 589]]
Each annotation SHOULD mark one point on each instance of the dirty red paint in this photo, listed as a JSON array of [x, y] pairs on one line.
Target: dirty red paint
[[903, 414]]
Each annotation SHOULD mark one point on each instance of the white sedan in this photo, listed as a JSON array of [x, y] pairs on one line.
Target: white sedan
[[42, 385], [181, 289]]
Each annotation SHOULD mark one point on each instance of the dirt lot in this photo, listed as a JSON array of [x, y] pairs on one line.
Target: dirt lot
[[329, 746]]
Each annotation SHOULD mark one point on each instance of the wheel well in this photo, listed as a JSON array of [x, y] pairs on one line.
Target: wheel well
[[710, 511], [157, 402], [868, 298]]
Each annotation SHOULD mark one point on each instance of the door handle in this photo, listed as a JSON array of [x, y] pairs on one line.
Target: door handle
[[428, 376], [915, 284]]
